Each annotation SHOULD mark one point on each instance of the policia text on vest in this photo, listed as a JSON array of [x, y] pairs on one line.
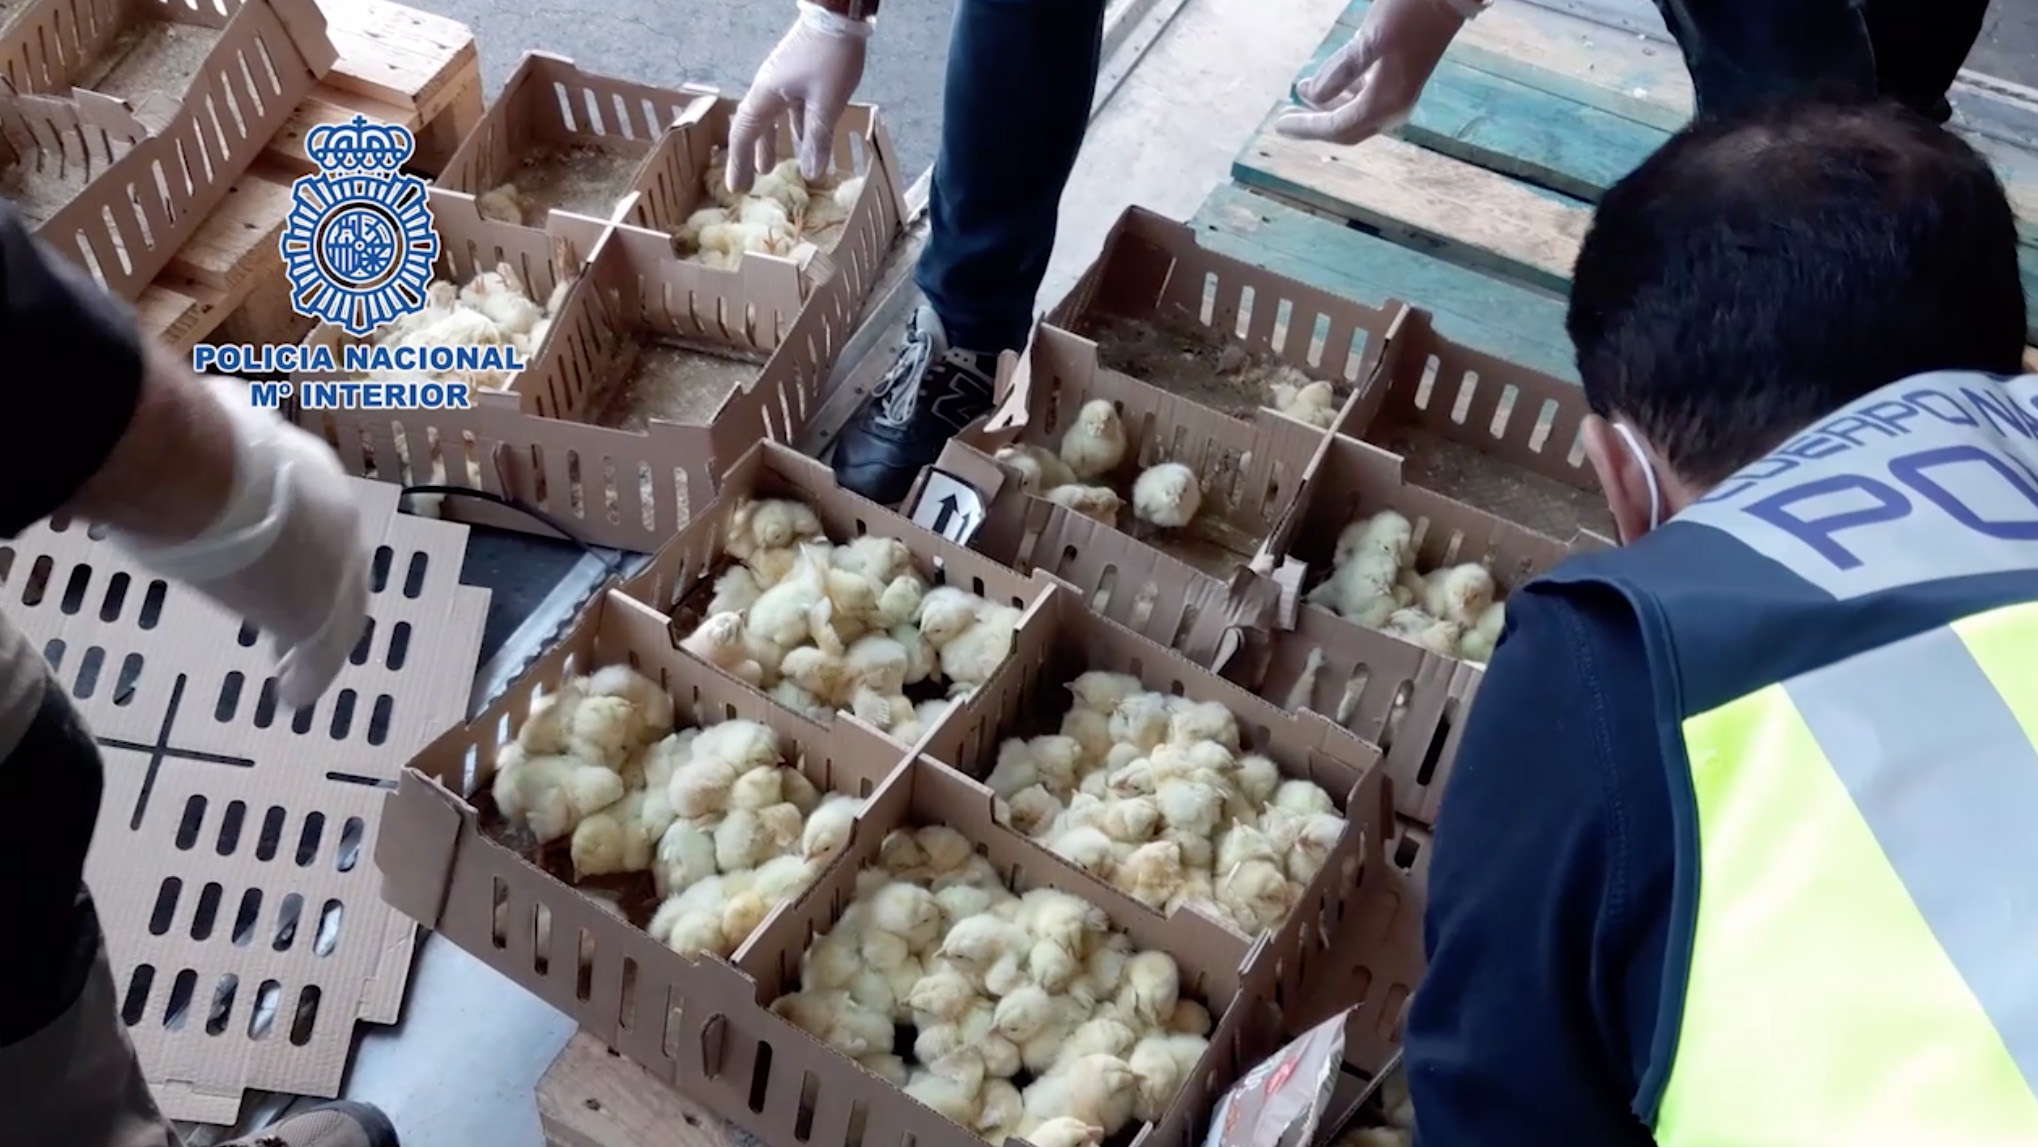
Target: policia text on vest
[[1843, 647]]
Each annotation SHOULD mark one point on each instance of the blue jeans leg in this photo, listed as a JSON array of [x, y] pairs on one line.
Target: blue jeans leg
[[1021, 74]]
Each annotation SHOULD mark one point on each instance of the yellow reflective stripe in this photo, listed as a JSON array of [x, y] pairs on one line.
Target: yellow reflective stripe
[[1819, 1009], [1947, 780]]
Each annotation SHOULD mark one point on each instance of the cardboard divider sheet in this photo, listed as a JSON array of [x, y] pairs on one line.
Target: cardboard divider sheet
[[688, 564], [230, 861], [1152, 269], [550, 105], [158, 164], [442, 866], [630, 489], [1389, 691]]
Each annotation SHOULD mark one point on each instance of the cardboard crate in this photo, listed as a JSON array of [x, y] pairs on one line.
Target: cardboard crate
[[630, 489], [1396, 694], [550, 105], [1251, 472], [1482, 430], [673, 182], [165, 160], [704, 1024], [681, 574], [230, 855], [1135, 585], [1060, 640], [1152, 269], [442, 866], [609, 487]]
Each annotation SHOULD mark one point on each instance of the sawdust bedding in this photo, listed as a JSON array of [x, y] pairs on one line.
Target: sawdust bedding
[[156, 56], [1192, 362], [676, 382], [582, 178]]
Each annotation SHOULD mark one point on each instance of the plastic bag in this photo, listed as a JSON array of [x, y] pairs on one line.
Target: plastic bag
[[1280, 1101]]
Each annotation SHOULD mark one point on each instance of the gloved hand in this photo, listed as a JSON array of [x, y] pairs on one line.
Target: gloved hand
[[812, 73], [1371, 84], [287, 553]]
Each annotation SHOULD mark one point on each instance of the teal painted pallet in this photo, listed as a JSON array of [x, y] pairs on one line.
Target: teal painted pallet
[[1478, 310], [1523, 95]]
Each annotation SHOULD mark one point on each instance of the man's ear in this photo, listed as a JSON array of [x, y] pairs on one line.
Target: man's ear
[[1620, 478]]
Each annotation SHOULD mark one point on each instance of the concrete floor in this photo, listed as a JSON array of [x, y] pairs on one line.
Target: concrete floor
[[716, 42], [2008, 48]]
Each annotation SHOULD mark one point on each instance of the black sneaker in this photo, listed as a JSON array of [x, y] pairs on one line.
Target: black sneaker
[[930, 394]]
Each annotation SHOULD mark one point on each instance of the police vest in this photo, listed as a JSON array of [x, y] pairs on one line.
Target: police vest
[[1843, 646]]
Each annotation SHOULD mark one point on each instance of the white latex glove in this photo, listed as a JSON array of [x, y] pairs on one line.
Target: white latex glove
[[287, 554], [811, 73], [1371, 84]]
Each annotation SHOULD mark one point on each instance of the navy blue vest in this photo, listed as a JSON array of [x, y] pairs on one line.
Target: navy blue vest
[[1908, 509]]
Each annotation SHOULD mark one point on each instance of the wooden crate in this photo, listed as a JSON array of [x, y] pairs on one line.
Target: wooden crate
[[396, 64], [592, 1097]]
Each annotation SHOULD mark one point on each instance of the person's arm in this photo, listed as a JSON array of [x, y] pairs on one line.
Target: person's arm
[[1548, 897], [103, 424], [813, 71]]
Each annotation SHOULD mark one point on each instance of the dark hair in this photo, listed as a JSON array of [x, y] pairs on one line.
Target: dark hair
[[1765, 269]]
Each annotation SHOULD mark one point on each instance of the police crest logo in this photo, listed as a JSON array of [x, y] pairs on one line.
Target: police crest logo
[[359, 242]]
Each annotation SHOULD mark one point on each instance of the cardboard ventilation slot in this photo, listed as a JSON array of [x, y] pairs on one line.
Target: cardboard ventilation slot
[[628, 489], [550, 105], [681, 574], [1152, 269], [229, 861], [158, 166]]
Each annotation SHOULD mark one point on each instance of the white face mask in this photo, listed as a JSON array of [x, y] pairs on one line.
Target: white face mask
[[1634, 442]]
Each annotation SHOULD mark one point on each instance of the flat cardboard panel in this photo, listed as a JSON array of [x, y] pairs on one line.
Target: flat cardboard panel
[[229, 825]]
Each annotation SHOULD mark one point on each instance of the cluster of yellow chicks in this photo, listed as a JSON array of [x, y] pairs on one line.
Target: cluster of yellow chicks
[[1288, 390], [851, 627], [1399, 1130], [1453, 610], [1166, 495], [725, 829], [493, 309], [1156, 795], [782, 214], [1030, 1015]]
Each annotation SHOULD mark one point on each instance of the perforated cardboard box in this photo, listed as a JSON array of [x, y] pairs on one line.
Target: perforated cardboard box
[[1400, 696], [1152, 271], [680, 577], [443, 866], [1482, 430], [569, 140], [704, 1024], [531, 445], [246, 935], [125, 181]]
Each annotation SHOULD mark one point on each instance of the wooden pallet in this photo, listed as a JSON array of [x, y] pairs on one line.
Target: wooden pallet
[[592, 1097], [1481, 311], [1532, 115], [398, 65]]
